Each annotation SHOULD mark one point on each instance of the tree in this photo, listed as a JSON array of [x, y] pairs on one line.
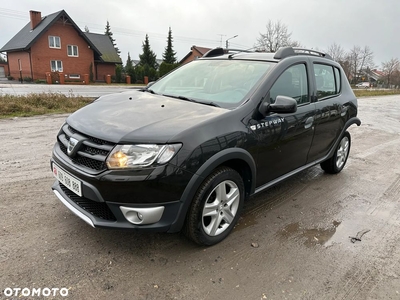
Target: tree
[[360, 59], [390, 68], [367, 58], [336, 52], [129, 69], [169, 55], [339, 54], [148, 57], [276, 36], [166, 68], [118, 74], [110, 35], [2, 59]]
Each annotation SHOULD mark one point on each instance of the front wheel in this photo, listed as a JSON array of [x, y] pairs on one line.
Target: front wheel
[[216, 207], [337, 162]]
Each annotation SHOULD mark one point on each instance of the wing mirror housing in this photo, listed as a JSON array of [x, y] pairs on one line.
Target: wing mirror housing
[[282, 104], [150, 84]]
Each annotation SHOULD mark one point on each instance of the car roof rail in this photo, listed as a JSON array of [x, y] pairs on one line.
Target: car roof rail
[[284, 52], [215, 52], [221, 51]]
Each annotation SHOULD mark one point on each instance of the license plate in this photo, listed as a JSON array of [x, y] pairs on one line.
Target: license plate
[[67, 180]]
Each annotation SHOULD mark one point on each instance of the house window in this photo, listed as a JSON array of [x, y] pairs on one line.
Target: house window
[[74, 76], [56, 66], [54, 42], [72, 50]]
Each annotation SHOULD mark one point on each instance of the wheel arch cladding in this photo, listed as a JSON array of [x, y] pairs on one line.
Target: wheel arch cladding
[[238, 159]]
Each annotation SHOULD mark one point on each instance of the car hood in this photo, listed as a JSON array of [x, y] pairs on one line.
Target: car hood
[[140, 117]]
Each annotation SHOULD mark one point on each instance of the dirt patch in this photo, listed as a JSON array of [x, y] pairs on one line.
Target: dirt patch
[[44, 245]]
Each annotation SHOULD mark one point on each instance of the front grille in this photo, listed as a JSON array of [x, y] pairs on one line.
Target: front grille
[[97, 209], [92, 152], [90, 163]]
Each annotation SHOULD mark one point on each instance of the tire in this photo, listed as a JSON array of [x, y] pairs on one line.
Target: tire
[[337, 162], [215, 208]]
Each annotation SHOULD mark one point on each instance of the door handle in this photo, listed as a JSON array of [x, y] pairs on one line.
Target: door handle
[[309, 122]]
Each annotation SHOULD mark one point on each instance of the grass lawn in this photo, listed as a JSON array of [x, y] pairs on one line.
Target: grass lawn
[[40, 104]]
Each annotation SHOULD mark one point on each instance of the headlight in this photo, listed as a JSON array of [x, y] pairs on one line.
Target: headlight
[[138, 156]]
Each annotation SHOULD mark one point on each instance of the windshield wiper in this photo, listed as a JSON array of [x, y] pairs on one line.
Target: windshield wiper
[[148, 91], [192, 100], [211, 104], [180, 97]]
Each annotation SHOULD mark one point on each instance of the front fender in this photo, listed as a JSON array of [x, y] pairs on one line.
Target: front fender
[[205, 170]]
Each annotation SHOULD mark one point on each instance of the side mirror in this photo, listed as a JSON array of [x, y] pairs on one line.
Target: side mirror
[[283, 104], [150, 84]]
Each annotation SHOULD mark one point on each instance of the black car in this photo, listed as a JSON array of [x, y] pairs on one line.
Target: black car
[[184, 153]]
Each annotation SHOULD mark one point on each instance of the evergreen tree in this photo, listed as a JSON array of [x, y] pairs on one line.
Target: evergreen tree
[[129, 69], [148, 57], [110, 35], [169, 55]]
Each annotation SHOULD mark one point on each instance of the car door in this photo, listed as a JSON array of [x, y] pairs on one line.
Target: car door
[[329, 118], [284, 139]]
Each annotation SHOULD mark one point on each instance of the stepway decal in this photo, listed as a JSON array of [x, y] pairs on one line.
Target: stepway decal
[[269, 123]]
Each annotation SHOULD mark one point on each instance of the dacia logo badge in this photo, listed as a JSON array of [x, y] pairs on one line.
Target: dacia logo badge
[[71, 146]]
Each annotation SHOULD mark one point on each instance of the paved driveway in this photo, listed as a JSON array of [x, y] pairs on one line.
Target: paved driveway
[[292, 241]]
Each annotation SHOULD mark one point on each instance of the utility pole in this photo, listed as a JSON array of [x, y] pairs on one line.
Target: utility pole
[[220, 42], [227, 44]]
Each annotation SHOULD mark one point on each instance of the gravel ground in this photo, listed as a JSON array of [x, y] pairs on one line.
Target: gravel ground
[[291, 243]]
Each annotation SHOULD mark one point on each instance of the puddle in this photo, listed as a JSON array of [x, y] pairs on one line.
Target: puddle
[[314, 236]]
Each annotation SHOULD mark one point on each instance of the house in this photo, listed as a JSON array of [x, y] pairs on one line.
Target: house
[[374, 75], [195, 52], [54, 44]]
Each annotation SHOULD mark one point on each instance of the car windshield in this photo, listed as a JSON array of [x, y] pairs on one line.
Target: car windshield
[[223, 83]]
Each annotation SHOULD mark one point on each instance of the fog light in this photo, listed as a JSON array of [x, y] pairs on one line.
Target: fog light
[[142, 215]]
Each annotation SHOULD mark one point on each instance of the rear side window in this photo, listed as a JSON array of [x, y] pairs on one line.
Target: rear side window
[[327, 79]]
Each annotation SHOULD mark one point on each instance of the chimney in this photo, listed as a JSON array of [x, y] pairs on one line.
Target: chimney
[[36, 17]]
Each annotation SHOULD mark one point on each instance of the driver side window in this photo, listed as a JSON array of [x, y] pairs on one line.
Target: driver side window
[[292, 83]]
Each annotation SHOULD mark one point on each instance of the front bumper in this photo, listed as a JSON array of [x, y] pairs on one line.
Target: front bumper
[[110, 215], [155, 194]]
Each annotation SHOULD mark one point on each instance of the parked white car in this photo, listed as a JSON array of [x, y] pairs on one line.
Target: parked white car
[[364, 85]]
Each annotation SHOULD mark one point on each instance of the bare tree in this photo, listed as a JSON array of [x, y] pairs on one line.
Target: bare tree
[[336, 52], [361, 59], [367, 58], [347, 68], [354, 57], [391, 68], [276, 36]]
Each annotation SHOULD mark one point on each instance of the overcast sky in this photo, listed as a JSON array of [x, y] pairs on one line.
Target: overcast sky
[[208, 23]]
